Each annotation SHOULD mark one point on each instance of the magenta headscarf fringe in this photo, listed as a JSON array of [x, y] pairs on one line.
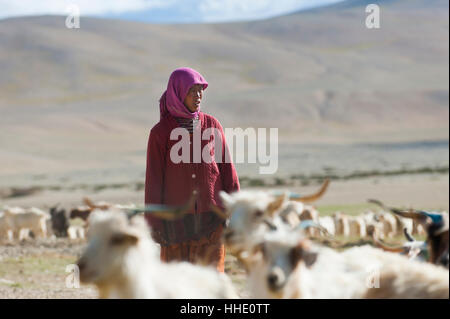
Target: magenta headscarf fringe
[[180, 81]]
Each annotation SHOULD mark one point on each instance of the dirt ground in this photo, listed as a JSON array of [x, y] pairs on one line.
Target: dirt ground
[[425, 191], [37, 268]]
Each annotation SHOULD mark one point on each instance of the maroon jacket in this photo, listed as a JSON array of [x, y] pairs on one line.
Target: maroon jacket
[[174, 183]]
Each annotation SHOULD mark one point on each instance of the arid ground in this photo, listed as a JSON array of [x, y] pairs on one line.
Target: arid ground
[[368, 108]]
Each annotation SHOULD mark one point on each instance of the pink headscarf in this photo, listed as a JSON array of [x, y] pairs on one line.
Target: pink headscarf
[[180, 81]]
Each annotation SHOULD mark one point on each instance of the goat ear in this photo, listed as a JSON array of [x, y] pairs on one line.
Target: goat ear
[[258, 248], [303, 252], [227, 200], [276, 204], [124, 238], [310, 258]]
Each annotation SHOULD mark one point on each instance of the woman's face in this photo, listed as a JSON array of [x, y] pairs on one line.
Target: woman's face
[[194, 97]]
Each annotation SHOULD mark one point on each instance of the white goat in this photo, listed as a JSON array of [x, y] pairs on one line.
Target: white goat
[[389, 224], [418, 229], [341, 224], [251, 213], [122, 260], [328, 223], [5, 230], [357, 226], [32, 219], [76, 232], [310, 213], [289, 266], [403, 223], [249, 210], [373, 225]]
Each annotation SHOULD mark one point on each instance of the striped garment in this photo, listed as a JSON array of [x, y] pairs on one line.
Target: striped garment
[[187, 123]]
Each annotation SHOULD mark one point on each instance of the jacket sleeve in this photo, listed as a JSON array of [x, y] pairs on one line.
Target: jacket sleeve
[[154, 174], [230, 180], [154, 180]]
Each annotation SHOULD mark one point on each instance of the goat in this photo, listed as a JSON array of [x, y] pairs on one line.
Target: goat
[[82, 212], [389, 224], [341, 224], [290, 266], [249, 211], [373, 225], [436, 226], [76, 232], [59, 221], [5, 230], [357, 226], [32, 219], [413, 249], [328, 223], [122, 260]]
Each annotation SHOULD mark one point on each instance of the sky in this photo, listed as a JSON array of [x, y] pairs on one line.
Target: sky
[[162, 11]]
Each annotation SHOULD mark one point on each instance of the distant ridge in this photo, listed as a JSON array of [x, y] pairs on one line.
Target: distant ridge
[[317, 77]]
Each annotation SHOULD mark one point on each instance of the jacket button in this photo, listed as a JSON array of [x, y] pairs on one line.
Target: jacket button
[[193, 175]]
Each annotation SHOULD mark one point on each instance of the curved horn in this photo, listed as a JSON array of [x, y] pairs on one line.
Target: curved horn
[[379, 244], [385, 247], [378, 203], [270, 224], [174, 212], [159, 211], [313, 197], [163, 211], [276, 204], [408, 235], [406, 214], [88, 202], [220, 212]]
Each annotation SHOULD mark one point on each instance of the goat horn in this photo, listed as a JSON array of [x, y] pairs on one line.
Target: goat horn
[[385, 247], [219, 212], [378, 203], [271, 225], [388, 248], [160, 211], [406, 214], [312, 197], [408, 235], [88, 202], [165, 212]]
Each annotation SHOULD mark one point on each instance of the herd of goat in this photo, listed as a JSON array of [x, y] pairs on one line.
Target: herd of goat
[[287, 249], [17, 223]]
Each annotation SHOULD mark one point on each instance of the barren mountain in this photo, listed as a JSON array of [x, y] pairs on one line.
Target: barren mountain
[[85, 97]]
